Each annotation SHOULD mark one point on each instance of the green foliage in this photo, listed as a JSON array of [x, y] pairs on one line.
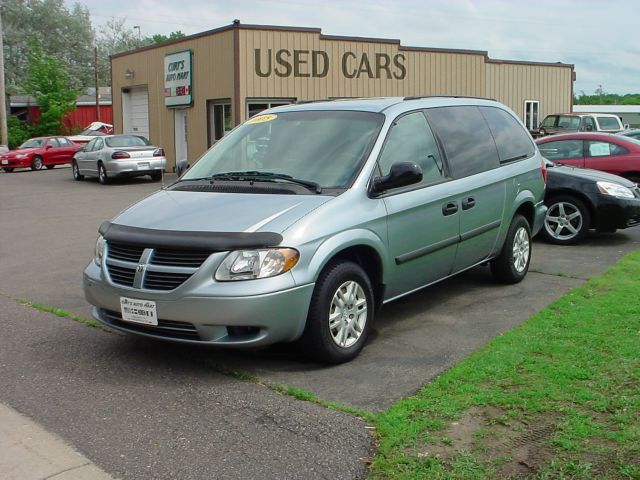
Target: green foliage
[[64, 33], [159, 38], [48, 81], [603, 98], [18, 131]]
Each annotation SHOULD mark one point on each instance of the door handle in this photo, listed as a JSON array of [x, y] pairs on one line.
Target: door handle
[[449, 208], [468, 203]]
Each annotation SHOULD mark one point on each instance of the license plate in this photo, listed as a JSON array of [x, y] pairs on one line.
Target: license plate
[[5, 162], [143, 166], [138, 311]]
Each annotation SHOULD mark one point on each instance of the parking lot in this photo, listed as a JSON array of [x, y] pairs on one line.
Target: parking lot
[[143, 409]]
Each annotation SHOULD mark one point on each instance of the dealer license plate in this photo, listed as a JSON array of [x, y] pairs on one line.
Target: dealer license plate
[[5, 162], [138, 311], [143, 166]]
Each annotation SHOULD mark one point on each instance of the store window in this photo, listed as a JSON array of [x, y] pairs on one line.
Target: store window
[[219, 119], [256, 105], [531, 109]]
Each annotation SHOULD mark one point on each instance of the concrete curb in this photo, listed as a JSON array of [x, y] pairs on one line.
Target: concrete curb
[[28, 451]]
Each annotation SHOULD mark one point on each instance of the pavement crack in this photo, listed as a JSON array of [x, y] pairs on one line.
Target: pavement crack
[[66, 470]]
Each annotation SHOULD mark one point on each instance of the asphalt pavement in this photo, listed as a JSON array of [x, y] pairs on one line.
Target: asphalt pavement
[[143, 409]]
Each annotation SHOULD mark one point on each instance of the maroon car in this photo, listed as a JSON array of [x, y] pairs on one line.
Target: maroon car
[[39, 152], [601, 151]]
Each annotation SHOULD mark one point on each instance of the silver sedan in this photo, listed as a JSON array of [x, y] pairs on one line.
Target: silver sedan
[[118, 156]]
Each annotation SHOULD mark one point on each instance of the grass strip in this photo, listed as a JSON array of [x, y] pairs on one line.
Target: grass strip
[[557, 397], [59, 312]]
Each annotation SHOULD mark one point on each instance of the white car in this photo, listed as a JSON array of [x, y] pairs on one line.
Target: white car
[[96, 129]]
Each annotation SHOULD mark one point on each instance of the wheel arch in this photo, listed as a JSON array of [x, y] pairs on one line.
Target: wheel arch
[[576, 194]]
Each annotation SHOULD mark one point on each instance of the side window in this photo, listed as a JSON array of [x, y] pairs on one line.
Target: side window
[[604, 149], [411, 140], [562, 149], [512, 141], [98, 145], [53, 142], [64, 142], [609, 123], [589, 124], [466, 138], [90, 145]]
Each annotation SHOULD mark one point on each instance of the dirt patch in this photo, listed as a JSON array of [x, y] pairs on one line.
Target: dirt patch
[[515, 448]]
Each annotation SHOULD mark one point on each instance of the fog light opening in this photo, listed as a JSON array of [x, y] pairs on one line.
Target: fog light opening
[[240, 332]]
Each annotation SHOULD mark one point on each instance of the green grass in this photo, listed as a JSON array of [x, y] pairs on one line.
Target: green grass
[[61, 313], [566, 384]]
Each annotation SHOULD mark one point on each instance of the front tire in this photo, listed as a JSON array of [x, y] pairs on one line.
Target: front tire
[[36, 163], [340, 314], [102, 174], [512, 265], [75, 171], [567, 220]]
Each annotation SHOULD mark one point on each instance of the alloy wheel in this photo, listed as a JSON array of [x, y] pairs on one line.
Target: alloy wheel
[[563, 221], [347, 314], [521, 246]]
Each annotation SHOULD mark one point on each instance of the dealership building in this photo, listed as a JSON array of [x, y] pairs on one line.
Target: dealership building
[[185, 94]]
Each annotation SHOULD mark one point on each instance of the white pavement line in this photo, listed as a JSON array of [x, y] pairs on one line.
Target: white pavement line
[[29, 452]]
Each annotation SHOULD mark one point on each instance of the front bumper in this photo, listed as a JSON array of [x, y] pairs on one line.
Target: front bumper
[[612, 213], [191, 317], [135, 166], [15, 162]]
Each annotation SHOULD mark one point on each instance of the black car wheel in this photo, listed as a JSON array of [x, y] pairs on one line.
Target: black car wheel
[[567, 220], [102, 174], [512, 265], [340, 314], [36, 163], [75, 171]]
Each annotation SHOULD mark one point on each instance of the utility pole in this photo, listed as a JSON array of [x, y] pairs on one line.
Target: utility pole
[[97, 86], [4, 140]]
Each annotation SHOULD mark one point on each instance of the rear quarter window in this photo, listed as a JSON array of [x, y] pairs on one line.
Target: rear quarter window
[[466, 139], [609, 123], [512, 140]]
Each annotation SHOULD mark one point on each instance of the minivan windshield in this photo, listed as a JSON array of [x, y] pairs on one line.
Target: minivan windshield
[[323, 147]]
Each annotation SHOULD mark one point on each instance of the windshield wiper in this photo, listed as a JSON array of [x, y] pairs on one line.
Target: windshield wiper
[[265, 177]]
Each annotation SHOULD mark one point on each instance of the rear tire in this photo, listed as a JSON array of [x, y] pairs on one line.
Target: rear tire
[[156, 176], [512, 265], [75, 171], [102, 174], [340, 314], [36, 163]]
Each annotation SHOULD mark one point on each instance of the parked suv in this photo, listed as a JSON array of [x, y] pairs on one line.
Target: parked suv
[[302, 222], [579, 122]]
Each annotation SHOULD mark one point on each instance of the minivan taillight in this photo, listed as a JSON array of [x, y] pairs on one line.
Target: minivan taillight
[[118, 155], [544, 171], [158, 152]]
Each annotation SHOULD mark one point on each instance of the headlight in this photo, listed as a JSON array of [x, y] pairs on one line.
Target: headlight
[[615, 190], [99, 251], [251, 264], [21, 155]]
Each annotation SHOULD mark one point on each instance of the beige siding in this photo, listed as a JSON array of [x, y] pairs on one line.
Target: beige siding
[[512, 84], [427, 72], [212, 65]]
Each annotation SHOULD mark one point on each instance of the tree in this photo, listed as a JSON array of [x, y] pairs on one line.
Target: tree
[[48, 81], [63, 33], [159, 38]]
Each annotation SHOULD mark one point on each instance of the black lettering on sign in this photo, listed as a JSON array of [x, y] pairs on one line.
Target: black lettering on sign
[[257, 63], [283, 62], [400, 66], [299, 60], [316, 55], [365, 66], [345, 65], [382, 63]]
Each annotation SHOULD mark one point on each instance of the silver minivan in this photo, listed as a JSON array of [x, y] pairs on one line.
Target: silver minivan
[[303, 221]]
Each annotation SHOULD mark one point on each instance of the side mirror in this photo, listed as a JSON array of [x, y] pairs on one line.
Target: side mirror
[[181, 167], [400, 175], [48, 146]]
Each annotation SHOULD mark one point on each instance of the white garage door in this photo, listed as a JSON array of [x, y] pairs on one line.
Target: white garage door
[[135, 111]]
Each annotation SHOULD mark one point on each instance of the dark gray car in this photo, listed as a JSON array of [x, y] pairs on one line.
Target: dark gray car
[[303, 221]]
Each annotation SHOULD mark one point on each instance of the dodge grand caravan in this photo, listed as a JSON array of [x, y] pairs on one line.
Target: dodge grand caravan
[[304, 220]]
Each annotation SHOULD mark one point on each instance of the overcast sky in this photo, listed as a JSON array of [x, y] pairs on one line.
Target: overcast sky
[[599, 37]]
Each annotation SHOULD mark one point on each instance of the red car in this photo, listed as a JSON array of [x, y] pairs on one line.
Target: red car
[[601, 151], [39, 152]]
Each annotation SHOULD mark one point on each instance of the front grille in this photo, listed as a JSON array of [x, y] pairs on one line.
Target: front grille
[[121, 275], [179, 258], [165, 328], [152, 268], [130, 253], [164, 280]]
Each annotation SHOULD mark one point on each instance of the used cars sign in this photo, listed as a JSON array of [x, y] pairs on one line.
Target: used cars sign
[[177, 79]]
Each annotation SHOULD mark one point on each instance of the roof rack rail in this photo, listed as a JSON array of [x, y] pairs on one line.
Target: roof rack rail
[[418, 97], [315, 100]]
